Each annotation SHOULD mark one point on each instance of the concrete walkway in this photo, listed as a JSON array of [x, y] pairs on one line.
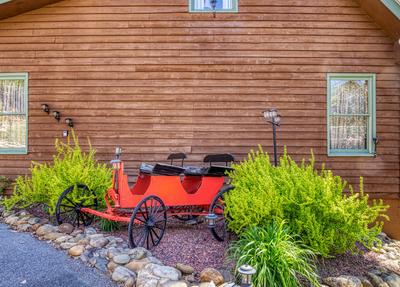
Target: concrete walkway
[[26, 261]]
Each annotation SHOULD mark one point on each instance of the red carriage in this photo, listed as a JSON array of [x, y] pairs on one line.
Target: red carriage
[[160, 191]]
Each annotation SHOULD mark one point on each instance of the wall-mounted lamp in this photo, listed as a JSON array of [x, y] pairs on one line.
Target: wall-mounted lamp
[[69, 122], [57, 115], [45, 108]]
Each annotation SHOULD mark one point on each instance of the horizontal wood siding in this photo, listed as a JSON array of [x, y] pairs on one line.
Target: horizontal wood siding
[[156, 79]]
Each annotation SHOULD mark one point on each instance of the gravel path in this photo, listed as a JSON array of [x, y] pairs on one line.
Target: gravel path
[[26, 261]]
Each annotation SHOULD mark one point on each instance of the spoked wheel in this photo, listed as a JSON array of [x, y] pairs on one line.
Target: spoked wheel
[[148, 223], [217, 207], [68, 208]]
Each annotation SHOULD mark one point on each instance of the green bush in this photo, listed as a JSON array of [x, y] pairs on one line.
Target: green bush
[[311, 202], [48, 180], [279, 259]]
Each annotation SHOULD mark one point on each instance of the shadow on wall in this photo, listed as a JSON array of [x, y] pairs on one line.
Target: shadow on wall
[[392, 227]]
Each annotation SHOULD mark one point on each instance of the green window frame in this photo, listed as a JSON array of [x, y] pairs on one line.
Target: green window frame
[[371, 114], [24, 77], [193, 8]]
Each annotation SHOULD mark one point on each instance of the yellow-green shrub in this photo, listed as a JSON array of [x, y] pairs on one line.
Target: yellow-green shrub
[[48, 180], [311, 202]]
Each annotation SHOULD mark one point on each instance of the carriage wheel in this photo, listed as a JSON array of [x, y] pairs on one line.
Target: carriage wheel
[[148, 223], [217, 207], [69, 204]]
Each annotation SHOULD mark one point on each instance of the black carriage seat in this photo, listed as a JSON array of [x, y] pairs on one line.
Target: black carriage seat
[[222, 157], [161, 169], [218, 170], [177, 156]]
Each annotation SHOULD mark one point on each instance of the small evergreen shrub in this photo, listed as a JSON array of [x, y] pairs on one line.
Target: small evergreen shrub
[[109, 225], [311, 202], [48, 180], [279, 259]]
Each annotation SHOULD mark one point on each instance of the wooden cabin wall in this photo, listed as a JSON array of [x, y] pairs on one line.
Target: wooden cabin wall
[[154, 79]]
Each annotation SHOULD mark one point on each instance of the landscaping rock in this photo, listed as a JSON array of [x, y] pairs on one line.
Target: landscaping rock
[[12, 219], [122, 274], [101, 264], [170, 283], [365, 282], [62, 239], [76, 250], [45, 229], [136, 265], [211, 274], [168, 272], [121, 258], [392, 279], [206, 284], [67, 245], [98, 242], [76, 232], [154, 260], [34, 220], [138, 253], [376, 280], [130, 282], [65, 228], [146, 278], [90, 231], [53, 236], [111, 266], [24, 227], [111, 252], [185, 269], [343, 281]]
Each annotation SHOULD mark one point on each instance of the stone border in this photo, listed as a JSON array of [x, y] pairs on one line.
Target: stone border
[[111, 255]]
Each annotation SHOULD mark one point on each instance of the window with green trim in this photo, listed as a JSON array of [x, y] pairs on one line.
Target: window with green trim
[[228, 6], [13, 113], [351, 114]]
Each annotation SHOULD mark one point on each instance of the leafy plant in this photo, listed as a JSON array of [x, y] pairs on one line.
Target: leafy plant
[[279, 259], [312, 203], [48, 180], [4, 183], [109, 225]]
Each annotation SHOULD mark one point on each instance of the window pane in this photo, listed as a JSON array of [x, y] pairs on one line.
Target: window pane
[[349, 97], [348, 132], [12, 98], [12, 131], [206, 5]]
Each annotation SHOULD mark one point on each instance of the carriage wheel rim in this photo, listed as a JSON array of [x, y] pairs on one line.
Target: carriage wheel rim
[[148, 221], [68, 211]]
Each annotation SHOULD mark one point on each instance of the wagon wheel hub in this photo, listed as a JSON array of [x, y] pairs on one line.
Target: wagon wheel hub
[[150, 222]]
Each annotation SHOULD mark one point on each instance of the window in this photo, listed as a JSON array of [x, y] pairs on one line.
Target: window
[[351, 114], [13, 113], [207, 5]]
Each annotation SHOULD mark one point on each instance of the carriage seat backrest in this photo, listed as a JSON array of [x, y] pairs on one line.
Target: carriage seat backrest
[[218, 158], [177, 156], [161, 169]]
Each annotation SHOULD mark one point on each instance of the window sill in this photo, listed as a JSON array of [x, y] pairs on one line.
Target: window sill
[[14, 151], [350, 154]]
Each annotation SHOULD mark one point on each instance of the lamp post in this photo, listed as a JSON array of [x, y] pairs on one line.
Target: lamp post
[[247, 272], [272, 116]]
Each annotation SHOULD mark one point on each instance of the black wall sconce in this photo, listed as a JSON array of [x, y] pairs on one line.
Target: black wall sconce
[[57, 115], [45, 108], [69, 122]]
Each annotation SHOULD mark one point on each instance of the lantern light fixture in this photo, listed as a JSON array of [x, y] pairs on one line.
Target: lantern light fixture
[[246, 271], [57, 115], [45, 108], [118, 152], [211, 219], [69, 122], [272, 116]]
